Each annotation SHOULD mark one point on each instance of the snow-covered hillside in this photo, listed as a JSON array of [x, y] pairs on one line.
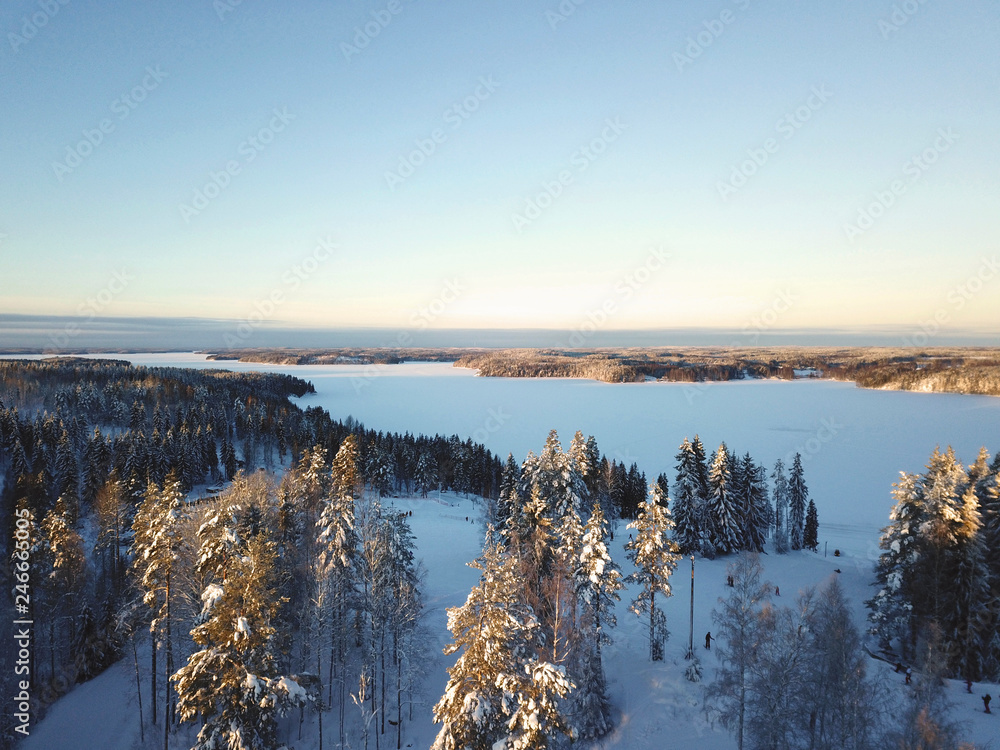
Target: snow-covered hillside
[[658, 708]]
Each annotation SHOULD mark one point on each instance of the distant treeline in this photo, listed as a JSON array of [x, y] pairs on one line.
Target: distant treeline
[[973, 370], [344, 356], [615, 367], [954, 371]]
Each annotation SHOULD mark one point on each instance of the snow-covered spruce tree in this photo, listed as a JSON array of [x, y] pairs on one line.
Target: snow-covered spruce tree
[[508, 504], [337, 545], [598, 582], [380, 474], [739, 491], [810, 532], [554, 475], [592, 479], [940, 533], [158, 546], [891, 608], [495, 633], [232, 683], [537, 718], [934, 569], [598, 578], [532, 543], [688, 499], [582, 461], [756, 505], [404, 613], [967, 623], [560, 610], [111, 511], [374, 603], [988, 491], [426, 474], [66, 479], [313, 475], [738, 623], [655, 556], [63, 564], [724, 527], [798, 497]]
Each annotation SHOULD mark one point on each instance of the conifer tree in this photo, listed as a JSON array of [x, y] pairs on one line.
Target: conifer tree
[[232, 683], [689, 498], [426, 474], [966, 625], [537, 717], [756, 504], [494, 633], [810, 533], [509, 501], [555, 476], [110, 507], [891, 606], [725, 531], [65, 563], [158, 543], [798, 497], [559, 615], [739, 491], [655, 556], [337, 543], [598, 582]]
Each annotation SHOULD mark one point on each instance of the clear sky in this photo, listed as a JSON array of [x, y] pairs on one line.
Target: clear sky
[[521, 164]]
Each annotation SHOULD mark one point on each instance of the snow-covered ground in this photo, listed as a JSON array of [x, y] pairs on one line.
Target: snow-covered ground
[[854, 443]]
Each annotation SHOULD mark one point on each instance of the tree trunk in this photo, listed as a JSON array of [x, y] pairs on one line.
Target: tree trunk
[[652, 629], [382, 646], [399, 694], [167, 666], [138, 691], [319, 708], [743, 707], [152, 677], [168, 669]]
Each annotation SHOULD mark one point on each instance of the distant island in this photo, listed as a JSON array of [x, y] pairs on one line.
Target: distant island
[[967, 370]]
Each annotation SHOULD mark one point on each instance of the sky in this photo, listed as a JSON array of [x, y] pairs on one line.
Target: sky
[[582, 165]]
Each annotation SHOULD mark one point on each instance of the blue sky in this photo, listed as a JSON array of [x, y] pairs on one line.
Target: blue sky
[[503, 164]]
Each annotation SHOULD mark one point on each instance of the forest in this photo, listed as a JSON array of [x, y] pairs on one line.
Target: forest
[[939, 571], [97, 455], [246, 557]]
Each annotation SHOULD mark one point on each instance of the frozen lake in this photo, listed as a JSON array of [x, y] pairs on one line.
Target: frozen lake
[[854, 442]]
